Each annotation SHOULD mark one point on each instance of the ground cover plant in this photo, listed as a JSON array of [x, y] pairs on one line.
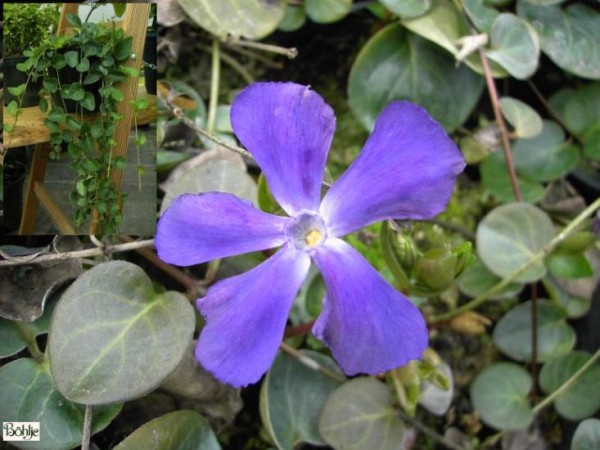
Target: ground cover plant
[[378, 229]]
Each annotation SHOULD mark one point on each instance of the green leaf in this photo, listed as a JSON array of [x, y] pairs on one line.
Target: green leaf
[[33, 398], [359, 415], [327, 11], [72, 58], [17, 90], [546, 156], [252, 20], [293, 19], [92, 77], [591, 142], [578, 109], [514, 45], [481, 14], [567, 35], [51, 84], [511, 235], [574, 306], [88, 101], [477, 279], [569, 266], [129, 71], [72, 123], [291, 399], [525, 120], [74, 20], [499, 393], [396, 64], [116, 94], [57, 114], [113, 338], [120, 162], [512, 334], [179, 430], [123, 49], [11, 339], [582, 398], [83, 66], [12, 108], [81, 189], [587, 435], [495, 178], [407, 8]]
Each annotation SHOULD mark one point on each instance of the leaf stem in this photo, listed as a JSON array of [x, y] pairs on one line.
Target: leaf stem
[[547, 249], [87, 428], [214, 86], [291, 52], [567, 384]]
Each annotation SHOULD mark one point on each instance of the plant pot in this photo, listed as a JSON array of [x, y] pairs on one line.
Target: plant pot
[[150, 58], [14, 77], [14, 176], [68, 75]]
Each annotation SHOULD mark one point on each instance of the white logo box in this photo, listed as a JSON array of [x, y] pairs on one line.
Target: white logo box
[[21, 431]]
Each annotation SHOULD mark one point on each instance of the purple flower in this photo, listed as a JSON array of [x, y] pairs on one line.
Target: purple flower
[[406, 170]]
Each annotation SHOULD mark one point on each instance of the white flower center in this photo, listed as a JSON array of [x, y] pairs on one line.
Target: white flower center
[[306, 231]]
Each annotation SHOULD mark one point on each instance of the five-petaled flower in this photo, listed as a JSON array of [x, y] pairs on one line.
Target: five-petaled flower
[[406, 170]]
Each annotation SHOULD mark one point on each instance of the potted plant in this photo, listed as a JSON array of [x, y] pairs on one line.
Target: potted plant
[[95, 54], [25, 25]]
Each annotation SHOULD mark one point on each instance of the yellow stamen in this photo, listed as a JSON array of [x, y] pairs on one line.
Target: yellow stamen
[[313, 238]]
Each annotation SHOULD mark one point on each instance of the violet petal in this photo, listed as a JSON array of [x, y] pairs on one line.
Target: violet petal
[[202, 227], [246, 316], [369, 326], [406, 170], [288, 129]]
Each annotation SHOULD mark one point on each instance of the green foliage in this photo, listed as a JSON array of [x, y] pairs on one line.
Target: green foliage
[[26, 25]]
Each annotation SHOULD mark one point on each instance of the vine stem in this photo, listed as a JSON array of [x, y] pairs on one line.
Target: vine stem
[[291, 52], [548, 248], [567, 384], [87, 428], [77, 253], [214, 86]]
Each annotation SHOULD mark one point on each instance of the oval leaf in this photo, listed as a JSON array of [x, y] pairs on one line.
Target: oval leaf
[[251, 20], [327, 11], [526, 121], [359, 415], [113, 338], [514, 45], [407, 8], [500, 395], [291, 399], [179, 430], [512, 234], [33, 398], [546, 156], [512, 334], [587, 435], [582, 398], [396, 65], [579, 109], [477, 279], [567, 35]]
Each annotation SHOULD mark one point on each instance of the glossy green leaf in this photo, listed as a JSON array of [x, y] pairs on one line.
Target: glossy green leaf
[[32, 397], [72, 58], [113, 338], [407, 8], [569, 266], [116, 94], [327, 11], [83, 65], [510, 235], [499, 393], [477, 279], [51, 84], [359, 415], [575, 306], [482, 15], [293, 19], [291, 399], [88, 101], [12, 108], [445, 26], [587, 435], [591, 142], [514, 45], [11, 340], [512, 334], [179, 430], [122, 50], [546, 156], [396, 64], [92, 77], [251, 20], [17, 90], [578, 109], [495, 178], [567, 35], [582, 398], [524, 119]]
